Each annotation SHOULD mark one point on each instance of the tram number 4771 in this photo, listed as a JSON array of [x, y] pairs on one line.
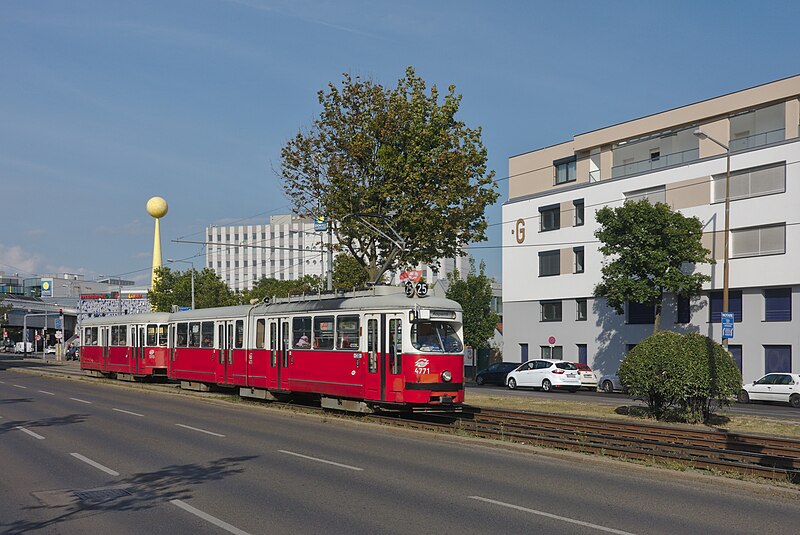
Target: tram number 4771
[[421, 367]]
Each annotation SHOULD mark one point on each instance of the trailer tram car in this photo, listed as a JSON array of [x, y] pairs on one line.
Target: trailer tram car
[[364, 351]]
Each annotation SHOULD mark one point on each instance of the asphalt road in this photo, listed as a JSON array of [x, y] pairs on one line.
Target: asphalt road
[[84, 457]]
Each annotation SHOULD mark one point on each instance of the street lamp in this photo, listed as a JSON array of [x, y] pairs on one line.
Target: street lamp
[[192, 264], [726, 271]]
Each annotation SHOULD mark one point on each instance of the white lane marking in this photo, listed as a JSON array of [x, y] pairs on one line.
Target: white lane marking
[[321, 460], [46, 392], [81, 400], [95, 464], [20, 386], [31, 433], [550, 515], [201, 430], [208, 518], [128, 412]]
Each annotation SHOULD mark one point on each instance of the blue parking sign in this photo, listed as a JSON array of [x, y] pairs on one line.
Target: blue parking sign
[[727, 325]]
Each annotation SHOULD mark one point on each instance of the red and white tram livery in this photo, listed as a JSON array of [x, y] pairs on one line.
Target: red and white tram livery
[[367, 350]]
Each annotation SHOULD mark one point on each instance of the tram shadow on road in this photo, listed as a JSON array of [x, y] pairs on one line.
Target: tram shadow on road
[[138, 492]]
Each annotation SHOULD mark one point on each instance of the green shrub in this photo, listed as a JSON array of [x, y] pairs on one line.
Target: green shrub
[[681, 376]]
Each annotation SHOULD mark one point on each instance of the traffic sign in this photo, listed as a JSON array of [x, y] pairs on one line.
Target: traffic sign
[[58, 323], [551, 340], [727, 325], [58, 335]]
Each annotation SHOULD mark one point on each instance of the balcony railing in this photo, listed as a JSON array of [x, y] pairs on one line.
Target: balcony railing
[[757, 140], [665, 160]]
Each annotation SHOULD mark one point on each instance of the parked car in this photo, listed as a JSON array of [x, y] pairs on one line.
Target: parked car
[[496, 373], [587, 376], [545, 374], [7, 345], [49, 350], [783, 387], [19, 347], [610, 383]]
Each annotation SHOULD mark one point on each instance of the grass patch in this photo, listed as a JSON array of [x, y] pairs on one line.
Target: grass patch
[[624, 410]]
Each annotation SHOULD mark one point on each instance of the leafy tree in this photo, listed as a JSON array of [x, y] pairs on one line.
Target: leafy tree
[[681, 376], [400, 156], [647, 248], [348, 273], [175, 288], [271, 287], [474, 294]]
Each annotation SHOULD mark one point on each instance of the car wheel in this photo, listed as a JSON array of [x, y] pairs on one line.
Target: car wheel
[[512, 383], [479, 380], [794, 401], [547, 386], [608, 387], [744, 397]]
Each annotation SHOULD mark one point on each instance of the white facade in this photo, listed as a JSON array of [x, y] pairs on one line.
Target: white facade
[[286, 249], [659, 153]]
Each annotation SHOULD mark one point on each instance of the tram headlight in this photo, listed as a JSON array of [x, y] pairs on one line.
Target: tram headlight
[[447, 376]]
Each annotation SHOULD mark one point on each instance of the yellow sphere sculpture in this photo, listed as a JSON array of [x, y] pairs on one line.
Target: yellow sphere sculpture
[[157, 208]]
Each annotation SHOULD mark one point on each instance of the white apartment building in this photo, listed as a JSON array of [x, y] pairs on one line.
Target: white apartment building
[[286, 249], [551, 261]]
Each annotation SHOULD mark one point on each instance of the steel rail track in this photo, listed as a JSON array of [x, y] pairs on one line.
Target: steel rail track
[[768, 457]]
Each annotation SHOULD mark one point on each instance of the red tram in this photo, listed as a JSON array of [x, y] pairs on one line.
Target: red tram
[[367, 350]]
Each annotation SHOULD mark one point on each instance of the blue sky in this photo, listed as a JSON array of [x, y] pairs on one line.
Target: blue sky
[[106, 103]]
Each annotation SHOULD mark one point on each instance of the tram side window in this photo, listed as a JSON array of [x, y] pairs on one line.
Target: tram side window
[[301, 332], [372, 345], [395, 345], [163, 329], [323, 332], [152, 335], [239, 334], [347, 332], [273, 344], [122, 338], [260, 332], [90, 336], [208, 334], [114, 335], [194, 334], [182, 335]]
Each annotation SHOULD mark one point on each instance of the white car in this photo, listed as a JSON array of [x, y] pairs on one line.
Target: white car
[[19, 347], [545, 374], [49, 350], [784, 387]]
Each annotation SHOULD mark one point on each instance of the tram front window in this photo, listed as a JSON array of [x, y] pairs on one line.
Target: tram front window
[[437, 337]]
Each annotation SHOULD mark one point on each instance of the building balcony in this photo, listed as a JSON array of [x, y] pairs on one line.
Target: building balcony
[[757, 140], [655, 163]]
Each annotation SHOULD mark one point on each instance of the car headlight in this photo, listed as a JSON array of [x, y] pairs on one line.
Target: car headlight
[[447, 376]]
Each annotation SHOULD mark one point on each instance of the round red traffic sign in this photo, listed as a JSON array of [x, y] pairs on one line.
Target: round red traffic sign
[[551, 340]]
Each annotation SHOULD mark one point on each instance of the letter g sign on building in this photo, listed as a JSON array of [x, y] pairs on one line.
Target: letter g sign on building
[[520, 230]]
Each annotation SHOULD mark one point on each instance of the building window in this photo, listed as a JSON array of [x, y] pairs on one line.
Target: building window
[[550, 263], [777, 359], [684, 312], [551, 310], [753, 182], [578, 220], [734, 306], [759, 241], [236, 237], [654, 195], [549, 218], [736, 353], [582, 354], [640, 314], [554, 353], [577, 253], [565, 170], [778, 304], [581, 309], [655, 155]]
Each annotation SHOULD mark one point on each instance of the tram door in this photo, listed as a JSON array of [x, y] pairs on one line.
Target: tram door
[[104, 343], [384, 374], [284, 356], [225, 345], [137, 342]]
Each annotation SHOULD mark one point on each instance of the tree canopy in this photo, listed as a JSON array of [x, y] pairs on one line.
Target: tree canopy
[[474, 294], [175, 288], [270, 287], [650, 250], [400, 156], [348, 273]]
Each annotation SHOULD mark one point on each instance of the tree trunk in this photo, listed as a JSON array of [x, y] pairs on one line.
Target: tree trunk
[[657, 322]]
